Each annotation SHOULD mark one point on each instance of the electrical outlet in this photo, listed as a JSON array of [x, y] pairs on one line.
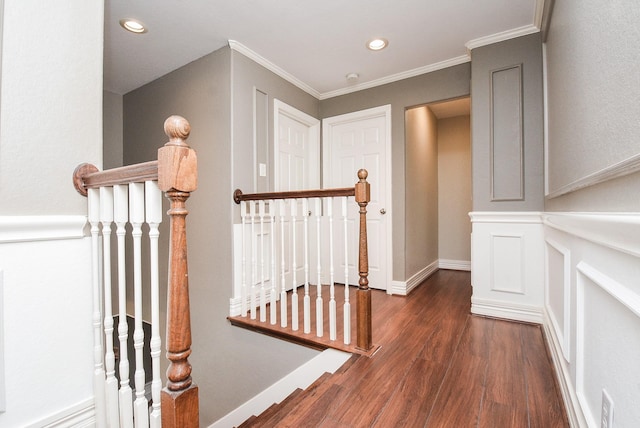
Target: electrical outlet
[[606, 415]]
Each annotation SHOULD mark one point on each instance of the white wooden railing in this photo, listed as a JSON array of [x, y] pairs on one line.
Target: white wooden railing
[[133, 195], [299, 252]]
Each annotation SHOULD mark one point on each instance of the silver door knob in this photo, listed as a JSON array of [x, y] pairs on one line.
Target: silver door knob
[[383, 211]]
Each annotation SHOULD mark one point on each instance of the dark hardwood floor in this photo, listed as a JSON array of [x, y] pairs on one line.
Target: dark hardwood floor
[[437, 366]]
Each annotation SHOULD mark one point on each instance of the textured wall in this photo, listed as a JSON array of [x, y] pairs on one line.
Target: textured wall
[[507, 146], [593, 86]]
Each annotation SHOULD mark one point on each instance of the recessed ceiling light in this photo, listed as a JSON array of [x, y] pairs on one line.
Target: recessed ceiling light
[[377, 44], [133, 25]]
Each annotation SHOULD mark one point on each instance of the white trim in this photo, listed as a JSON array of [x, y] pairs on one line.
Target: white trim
[[41, 228], [563, 376], [403, 288], [454, 264], [313, 126], [80, 415], [506, 310], [617, 231], [538, 13], [545, 118], [328, 361], [239, 47], [527, 217], [502, 36], [627, 166], [3, 385], [398, 76]]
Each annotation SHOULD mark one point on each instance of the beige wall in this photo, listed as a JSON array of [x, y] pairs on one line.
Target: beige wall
[[421, 172], [454, 188]]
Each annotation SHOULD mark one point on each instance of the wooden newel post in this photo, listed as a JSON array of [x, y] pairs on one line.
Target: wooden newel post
[[177, 177], [362, 196]]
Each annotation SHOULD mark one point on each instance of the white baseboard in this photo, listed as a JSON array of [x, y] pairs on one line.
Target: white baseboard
[[328, 361], [81, 415], [455, 264], [403, 288], [506, 310], [567, 390]]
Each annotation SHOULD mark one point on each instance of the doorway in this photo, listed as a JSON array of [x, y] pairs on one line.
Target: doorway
[[438, 187]]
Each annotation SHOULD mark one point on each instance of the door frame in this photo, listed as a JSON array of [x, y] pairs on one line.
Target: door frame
[[313, 125], [370, 113]]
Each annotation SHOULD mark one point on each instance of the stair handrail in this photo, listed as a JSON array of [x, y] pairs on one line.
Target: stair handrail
[[176, 173], [362, 193]]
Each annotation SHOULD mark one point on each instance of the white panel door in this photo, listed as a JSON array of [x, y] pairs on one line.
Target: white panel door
[[297, 167], [296, 149], [353, 141]]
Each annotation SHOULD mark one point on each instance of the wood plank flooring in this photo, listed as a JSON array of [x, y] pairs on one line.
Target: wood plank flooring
[[437, 366]]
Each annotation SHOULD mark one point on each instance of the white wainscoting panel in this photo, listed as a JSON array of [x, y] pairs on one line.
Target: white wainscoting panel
[[592, 312], [507, 265], [558, 292]]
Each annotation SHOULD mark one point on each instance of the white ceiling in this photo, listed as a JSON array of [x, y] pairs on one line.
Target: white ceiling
[[314, 44]]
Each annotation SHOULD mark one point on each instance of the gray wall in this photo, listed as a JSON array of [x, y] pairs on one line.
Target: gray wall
[[454, 188], [593, 86], [444, 84], [507, 125], [421, 172], [222, 355], [111, 130]]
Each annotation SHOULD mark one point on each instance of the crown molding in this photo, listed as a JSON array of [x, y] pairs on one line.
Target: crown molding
[[399, 76], [505, 35], [239, 47]]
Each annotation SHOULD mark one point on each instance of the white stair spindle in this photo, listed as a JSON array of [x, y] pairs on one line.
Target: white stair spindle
[[307, 298], [347, 304], [136, 206], [243, 290], [332, 288], [283, 291], [294, 267], [111, 383], [153, 213], [273, 307], [98, 367], [263, 291], [319, 304], [121, 216], [254, 260]]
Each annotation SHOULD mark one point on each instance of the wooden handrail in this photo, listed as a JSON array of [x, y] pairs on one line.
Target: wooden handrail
[[176, 173], [238, 196], [362, 193]]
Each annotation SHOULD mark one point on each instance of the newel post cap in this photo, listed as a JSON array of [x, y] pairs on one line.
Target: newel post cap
[[177, 162]]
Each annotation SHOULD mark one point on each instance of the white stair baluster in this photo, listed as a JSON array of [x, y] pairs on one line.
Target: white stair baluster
[[98, 367], [273, 307], [243, 290], [332, 287], [111, 383], [347, 304], [263, 291], [319, 304], [294, 267], [153, 213], [254, 260], [307, 298], [136, 206], [283, 291], [121, 216]]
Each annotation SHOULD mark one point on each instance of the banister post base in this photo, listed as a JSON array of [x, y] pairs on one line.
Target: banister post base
[[363, 340], [180, 408]]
